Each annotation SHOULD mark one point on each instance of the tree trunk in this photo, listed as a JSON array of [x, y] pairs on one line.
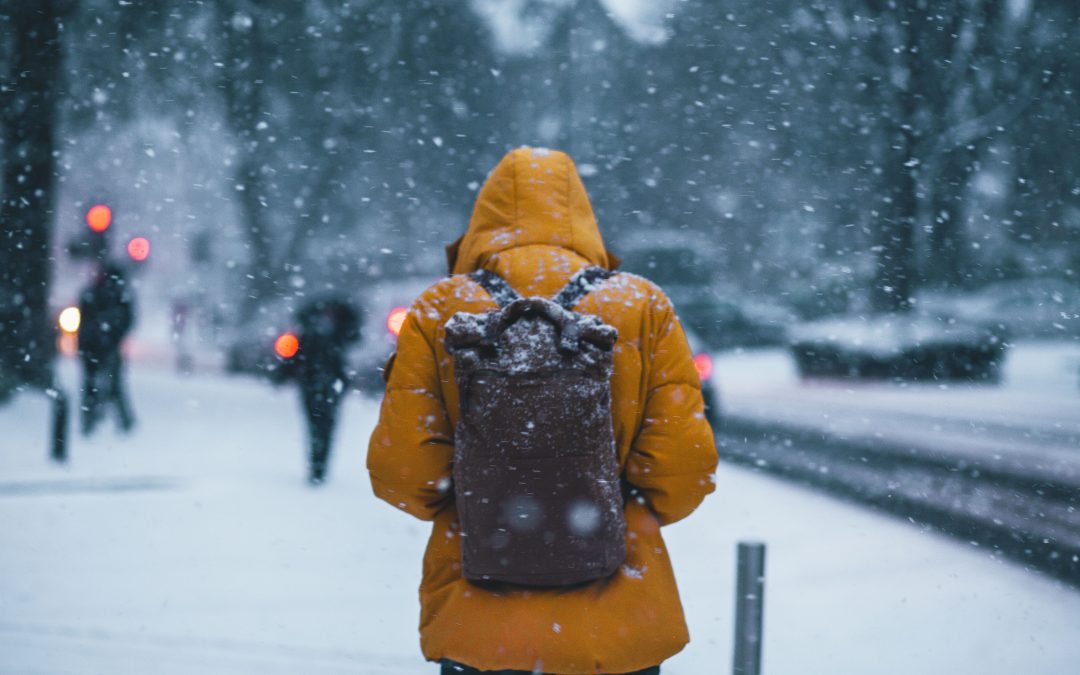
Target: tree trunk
[[262, 273], [892, 288], [26, 212], [896, 236], [946, 263], [247, 71]]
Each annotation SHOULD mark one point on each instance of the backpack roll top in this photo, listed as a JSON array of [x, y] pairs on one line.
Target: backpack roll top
[[536, 476]]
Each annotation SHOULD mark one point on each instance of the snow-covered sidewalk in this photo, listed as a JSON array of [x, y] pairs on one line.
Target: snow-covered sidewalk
[[194, 546]]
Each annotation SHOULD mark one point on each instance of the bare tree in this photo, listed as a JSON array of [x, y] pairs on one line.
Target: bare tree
[[29, 106]]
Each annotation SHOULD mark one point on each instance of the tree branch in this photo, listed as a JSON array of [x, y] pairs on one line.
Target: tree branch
[[984, 125]]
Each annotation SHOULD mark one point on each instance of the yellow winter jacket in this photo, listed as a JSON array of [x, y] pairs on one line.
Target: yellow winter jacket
[[533, 225]]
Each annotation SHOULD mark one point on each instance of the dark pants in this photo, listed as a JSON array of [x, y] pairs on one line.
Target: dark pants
[[103, 385], [320, 400], [454, 668]]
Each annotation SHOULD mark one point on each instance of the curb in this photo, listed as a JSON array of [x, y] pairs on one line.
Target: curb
[[1032, 517]]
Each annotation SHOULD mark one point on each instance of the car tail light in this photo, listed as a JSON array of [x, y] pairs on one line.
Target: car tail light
[[704, 366], [396, 319]]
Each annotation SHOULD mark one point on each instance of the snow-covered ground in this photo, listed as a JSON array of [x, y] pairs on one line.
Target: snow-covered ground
[[194, 546]]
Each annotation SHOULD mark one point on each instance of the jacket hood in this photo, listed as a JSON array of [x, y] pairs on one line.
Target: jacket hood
[[533, 197]]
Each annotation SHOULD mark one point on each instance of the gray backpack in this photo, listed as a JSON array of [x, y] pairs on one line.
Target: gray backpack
[[536, 477]]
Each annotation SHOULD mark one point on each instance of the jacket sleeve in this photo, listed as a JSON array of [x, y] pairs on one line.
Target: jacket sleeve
[[410, 453], [673, 457]]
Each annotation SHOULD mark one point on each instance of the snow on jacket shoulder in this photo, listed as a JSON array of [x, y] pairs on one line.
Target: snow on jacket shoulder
[[534, 226]]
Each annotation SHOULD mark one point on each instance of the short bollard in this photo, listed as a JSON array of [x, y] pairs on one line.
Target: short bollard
[[749, 601], [58, 451]]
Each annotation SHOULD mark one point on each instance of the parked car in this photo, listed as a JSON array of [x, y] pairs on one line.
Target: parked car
[[721, 318], [703, 364], [1044, 307], [910, 346], [250, 347], [386, 302]]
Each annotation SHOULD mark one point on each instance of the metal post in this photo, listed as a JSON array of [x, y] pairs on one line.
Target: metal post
[[59, 425], [749, 601]]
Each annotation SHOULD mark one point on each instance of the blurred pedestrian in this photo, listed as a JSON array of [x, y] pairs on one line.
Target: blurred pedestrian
[[182, 337], [529, 388], [327, 327], [106, 307]]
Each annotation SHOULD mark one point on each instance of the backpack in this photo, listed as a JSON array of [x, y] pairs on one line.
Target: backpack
[[536, 476]]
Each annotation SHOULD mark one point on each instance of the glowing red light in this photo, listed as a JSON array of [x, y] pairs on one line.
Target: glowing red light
[[396, 319], [703, 364], [139, 248], [99, 217], [286, 345]]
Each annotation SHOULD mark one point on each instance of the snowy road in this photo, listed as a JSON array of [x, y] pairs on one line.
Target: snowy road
[[194, 546], [997, 464]]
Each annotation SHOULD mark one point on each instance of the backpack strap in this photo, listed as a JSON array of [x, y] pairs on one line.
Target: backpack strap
[[500, 291], [581, 284]]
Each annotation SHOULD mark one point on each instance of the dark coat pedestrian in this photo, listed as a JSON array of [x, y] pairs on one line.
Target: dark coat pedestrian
[[327, 328], [107, 313]]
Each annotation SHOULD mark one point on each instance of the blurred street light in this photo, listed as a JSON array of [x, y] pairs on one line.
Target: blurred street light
[[69, 320]]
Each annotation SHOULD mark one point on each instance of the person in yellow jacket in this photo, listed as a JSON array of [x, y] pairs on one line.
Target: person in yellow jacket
[[533, 225]]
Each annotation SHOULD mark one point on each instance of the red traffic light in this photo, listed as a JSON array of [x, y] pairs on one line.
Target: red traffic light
[[99, 217], [139, 248], [286, 345]]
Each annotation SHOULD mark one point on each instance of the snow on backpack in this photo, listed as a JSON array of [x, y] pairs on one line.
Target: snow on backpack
[[536, 477]]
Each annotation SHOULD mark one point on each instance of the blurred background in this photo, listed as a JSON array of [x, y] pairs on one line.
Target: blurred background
[[867, 214]]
